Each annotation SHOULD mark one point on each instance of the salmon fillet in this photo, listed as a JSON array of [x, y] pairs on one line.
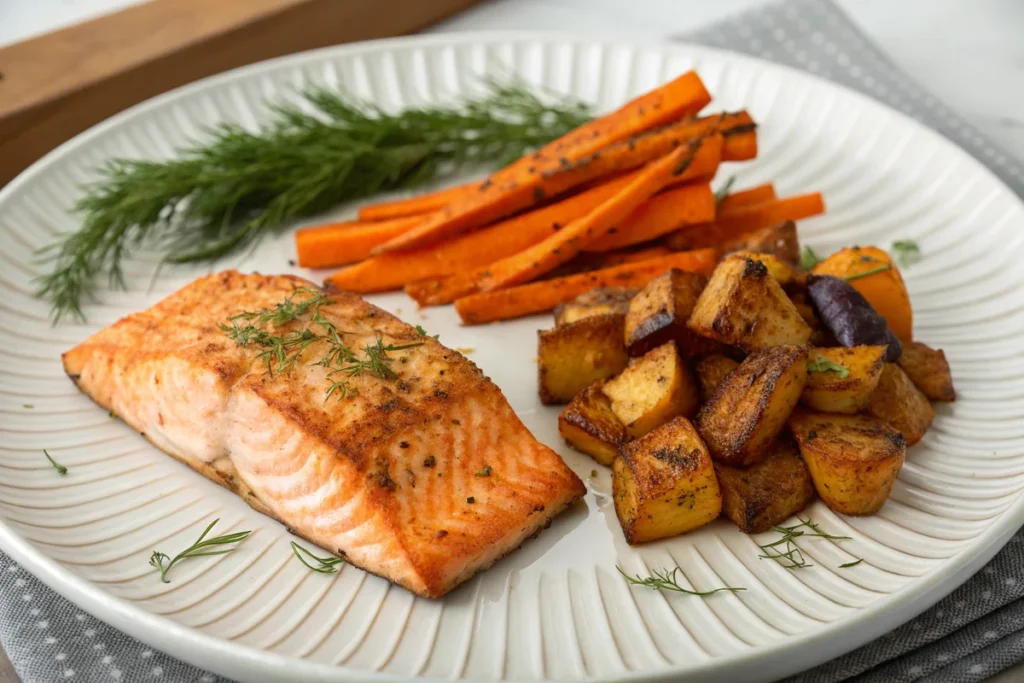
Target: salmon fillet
[[414, 468]]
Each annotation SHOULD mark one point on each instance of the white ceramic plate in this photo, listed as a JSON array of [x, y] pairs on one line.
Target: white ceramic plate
[[556, 609]]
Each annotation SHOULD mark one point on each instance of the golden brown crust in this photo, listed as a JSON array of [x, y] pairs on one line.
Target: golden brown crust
[[373, 446], [779, 240], [750, 406], [598, 301], [928, 369], [658, 314], [573, 356], [768, 493], [589, 425], [901, 404]]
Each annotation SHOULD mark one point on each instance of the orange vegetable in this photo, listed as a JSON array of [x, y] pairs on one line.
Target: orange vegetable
[[745, 220], [537, 297], [663, 213], [740, 145], [467, 252], [491, 201], [413, 206], [884, 290], [682, 97], [745, 198], [563, 245], [340, 243]]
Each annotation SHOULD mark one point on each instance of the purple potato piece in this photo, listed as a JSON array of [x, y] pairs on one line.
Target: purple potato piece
[[849, 316]]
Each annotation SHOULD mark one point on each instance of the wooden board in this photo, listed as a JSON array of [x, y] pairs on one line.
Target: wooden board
[[57, 85]]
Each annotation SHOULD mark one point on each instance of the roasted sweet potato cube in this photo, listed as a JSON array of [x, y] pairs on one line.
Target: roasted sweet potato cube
[[928, 370], [768, 493], [589, 425], [664, 484], [783, 273], [751, 405], [841, 380], [658, 314], [711, 370], [573, 356], [598, 301], [652, 390], [778, 240], [902, 405], [744, 305], [853, 459]]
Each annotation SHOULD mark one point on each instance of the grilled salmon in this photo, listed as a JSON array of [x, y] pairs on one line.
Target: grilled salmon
[[352, 428]]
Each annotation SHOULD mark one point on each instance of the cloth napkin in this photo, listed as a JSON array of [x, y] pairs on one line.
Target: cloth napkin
[[975, 632]]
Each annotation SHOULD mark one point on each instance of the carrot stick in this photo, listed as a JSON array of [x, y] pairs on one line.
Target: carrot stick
[[689, 204], [468, 252], [537, 297], [684, 96], [740, 145], [589, 261], [491, 201], [744, 198], [548, 254], [413, 206], [746, 220], [336, 244]]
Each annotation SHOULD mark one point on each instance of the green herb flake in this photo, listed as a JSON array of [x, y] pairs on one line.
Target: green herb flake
[[27, 406], [907, 252], [61, 470], [866, 273], [808, 258], [851, 564], [485, 472], [822, 364], [423, 332], [321, 565], [723, 191], [667, 580], [201, 548]]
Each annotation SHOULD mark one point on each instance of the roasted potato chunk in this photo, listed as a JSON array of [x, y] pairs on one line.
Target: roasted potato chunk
[[840, 380], [711, 370], [658, 314], [575, 355], [744, 305], [902, 405], [928, 370], [599, 301], [778, 240], [770, 492], [750, 406], [589, 425], [652, 390], [664, 484], [853, 459], [783, 273]]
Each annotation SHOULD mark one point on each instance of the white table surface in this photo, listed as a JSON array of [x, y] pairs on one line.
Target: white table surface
[[968, 52]]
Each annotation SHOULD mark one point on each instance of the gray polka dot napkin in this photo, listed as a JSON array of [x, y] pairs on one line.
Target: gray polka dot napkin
[[975, 632]]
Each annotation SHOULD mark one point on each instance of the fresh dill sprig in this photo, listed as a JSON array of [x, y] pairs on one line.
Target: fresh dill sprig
[[281, 351], [423, 332], [201, 548], [61, 470], [227, 189], [785, 550], [907, 252], [324, 565], [665, 580]]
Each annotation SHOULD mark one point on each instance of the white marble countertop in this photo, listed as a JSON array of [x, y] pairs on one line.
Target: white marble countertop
[[969, 54]]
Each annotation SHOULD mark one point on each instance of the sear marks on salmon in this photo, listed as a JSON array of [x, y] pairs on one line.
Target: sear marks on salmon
[[382, 476]]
